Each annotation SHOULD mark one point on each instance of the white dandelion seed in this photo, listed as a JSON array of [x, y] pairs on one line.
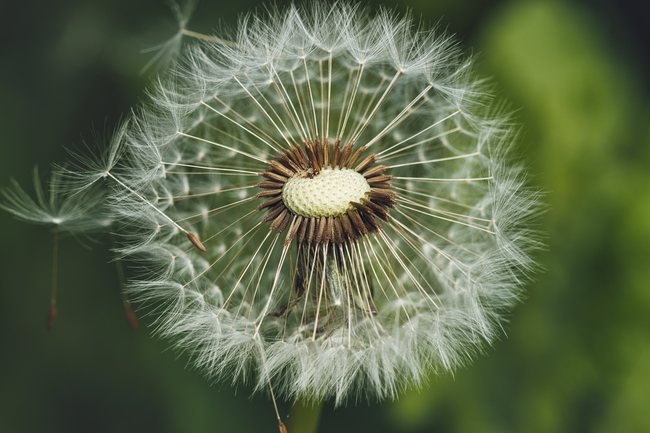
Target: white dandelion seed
[[325, 204], [82, 213], [74, 204]]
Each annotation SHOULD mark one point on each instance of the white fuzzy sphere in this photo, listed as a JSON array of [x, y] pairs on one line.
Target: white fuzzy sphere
[[422, 286]]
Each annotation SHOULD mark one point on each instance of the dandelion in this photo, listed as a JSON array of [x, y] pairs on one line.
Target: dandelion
[[80, 214], [325, 203], [74, 204]]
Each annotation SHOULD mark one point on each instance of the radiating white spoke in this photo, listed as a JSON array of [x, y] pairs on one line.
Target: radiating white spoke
[[208, 168], [432, 215], [374, 260], [344, 104], [215, 211], [362, 118], [460, 216], [232, 224], [256, 130], [274, 286], [248, 263], [417, 192], [321, 291], [259, 271], [208, 268], [431, 161], [287, 135], [442, 179], [322, 132], [436, 234], [456, 262], [145, 201], [311, 97], [394, 251], [403, 232], [232, 149], [301, 106], [227, 134], [211, 193], [288, 103], [413, 245], [329, 93], [352, 99], [400, 117], [211, 173], [241, 126], [282, 134], [419, 133], [379, 104]]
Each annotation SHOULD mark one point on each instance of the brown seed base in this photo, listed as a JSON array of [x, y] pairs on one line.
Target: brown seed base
[[307, 162]]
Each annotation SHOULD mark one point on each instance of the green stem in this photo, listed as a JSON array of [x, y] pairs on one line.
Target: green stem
[[51, 314], [304, 418]]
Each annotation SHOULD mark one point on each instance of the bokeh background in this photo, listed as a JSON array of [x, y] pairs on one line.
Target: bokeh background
[[576, 355]]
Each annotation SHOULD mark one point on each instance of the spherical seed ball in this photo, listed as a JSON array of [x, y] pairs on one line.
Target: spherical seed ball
[[327, 194], [363, 303]]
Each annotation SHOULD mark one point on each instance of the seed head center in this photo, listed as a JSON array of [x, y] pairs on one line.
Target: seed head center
[[327, 194]]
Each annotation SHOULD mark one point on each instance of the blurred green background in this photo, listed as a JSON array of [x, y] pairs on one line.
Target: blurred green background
[[576, 357]]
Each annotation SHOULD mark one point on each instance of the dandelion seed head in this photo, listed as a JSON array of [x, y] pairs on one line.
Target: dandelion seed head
[[325, 202]]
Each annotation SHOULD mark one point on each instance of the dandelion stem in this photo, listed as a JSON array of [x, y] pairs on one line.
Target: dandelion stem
[[304, 418], [51, 315], [281, 426]]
